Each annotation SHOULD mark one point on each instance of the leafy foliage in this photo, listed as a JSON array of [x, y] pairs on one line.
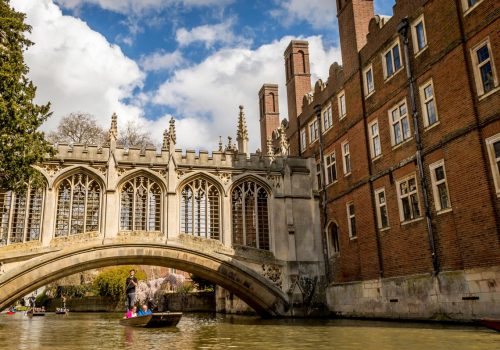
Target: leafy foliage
[[111, 281], [21, 144], [202, 284]]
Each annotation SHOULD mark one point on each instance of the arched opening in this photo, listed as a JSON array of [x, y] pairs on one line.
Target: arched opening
[[258, 292], [140, 205], [333, 239], [78, 205], [21, 215], [200, 209], [250, 215]]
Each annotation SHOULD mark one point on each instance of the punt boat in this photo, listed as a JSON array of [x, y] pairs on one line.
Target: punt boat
[[156, 320]]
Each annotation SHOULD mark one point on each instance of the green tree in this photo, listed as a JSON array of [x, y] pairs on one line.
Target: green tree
[[202, 284], [21, 144], [111, 281]]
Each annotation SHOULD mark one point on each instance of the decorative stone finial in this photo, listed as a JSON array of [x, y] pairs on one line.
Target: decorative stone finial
[[270, 148], [113, 130], [242, 133], [166, 140], [171, 131], [220, 144]]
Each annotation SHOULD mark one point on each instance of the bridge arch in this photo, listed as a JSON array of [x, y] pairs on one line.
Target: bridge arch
[[258, 292]]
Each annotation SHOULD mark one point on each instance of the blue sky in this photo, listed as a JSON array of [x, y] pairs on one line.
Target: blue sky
[[195, 60]]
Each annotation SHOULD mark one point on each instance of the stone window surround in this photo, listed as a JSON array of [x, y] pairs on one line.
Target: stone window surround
[[397, 43], [495, 172], [424, 102], [436, 183], [342, 104], [378, 206], [475, 67], [365, 81], [373, 137], [409, 194], [414, 35]]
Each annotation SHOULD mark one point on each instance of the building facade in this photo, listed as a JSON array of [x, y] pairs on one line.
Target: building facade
[[406, 137]]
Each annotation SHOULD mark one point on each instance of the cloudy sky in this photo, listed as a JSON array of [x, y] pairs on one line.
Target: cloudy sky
[[196, 60]]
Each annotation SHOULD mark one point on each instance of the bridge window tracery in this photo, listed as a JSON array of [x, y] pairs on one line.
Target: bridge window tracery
[[250, 214], [140, 205], [200, 209], [78, 205], [20, 216]]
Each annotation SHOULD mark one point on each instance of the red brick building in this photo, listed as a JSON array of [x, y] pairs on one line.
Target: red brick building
[[406, 133]]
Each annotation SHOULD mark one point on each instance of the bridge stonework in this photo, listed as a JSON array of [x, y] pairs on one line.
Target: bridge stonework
[[112, 205]]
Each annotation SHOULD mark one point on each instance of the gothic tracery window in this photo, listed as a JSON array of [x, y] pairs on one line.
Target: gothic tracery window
[[250, 214], [200, 209], [20, 216], [78, 205], [140, 205]]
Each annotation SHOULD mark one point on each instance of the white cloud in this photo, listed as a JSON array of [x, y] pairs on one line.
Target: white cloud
[[75, 67], [162, 61], [208, 34], [208, 94], [139, 6], [319, 13]]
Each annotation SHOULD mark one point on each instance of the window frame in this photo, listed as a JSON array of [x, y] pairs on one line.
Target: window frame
[[372, 139], [416, 49], [477, 69], [348, 154], [323, 112], [379, 206], [332, 165], [392, 123], [303, 139], [384, 63], [468, 9], [349, 222], [368, 93], [342, 106], [495, 172], [400, 201], [313, 121], [333, 247], [424, 102], [435, 189]]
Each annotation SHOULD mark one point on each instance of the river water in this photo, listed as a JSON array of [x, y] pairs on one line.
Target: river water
[[207, 331]]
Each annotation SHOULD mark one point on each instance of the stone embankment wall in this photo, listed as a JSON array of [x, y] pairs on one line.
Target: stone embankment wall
[[192, 302], [228, 303], [464, 295]]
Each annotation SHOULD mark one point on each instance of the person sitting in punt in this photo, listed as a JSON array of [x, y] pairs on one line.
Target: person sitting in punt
[[132, 312], [144, 311]]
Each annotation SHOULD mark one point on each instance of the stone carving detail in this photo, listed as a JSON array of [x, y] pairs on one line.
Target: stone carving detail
[[73, 239], [52, 169], [121, 171], [181, 173], [102, 169], [273, 273], [225, 178], [275, 180], [162, 172]]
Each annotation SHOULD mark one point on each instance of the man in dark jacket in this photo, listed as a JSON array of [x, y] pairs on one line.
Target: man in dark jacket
[[130, 285]]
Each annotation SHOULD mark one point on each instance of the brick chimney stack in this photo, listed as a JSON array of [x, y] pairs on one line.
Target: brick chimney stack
[[298, 76], [269, 113], [354, 17]]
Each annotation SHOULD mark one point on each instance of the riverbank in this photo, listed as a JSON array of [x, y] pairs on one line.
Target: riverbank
[[184, 302]]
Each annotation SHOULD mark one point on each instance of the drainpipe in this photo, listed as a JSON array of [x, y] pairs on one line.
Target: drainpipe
[[403, 29], [317, 111]]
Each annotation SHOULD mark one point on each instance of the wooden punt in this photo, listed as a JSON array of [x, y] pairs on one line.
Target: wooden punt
[[490, 323], [156, 320]]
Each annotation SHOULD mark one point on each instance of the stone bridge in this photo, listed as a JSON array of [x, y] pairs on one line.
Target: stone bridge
[[249, 223]]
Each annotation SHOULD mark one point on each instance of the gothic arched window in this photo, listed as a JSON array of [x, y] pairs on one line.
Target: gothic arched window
[[20, 216], [200, 209], [140, 205], [78, 205], [250, 212]]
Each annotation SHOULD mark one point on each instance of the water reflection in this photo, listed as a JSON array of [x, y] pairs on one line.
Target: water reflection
[[206, 331]]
